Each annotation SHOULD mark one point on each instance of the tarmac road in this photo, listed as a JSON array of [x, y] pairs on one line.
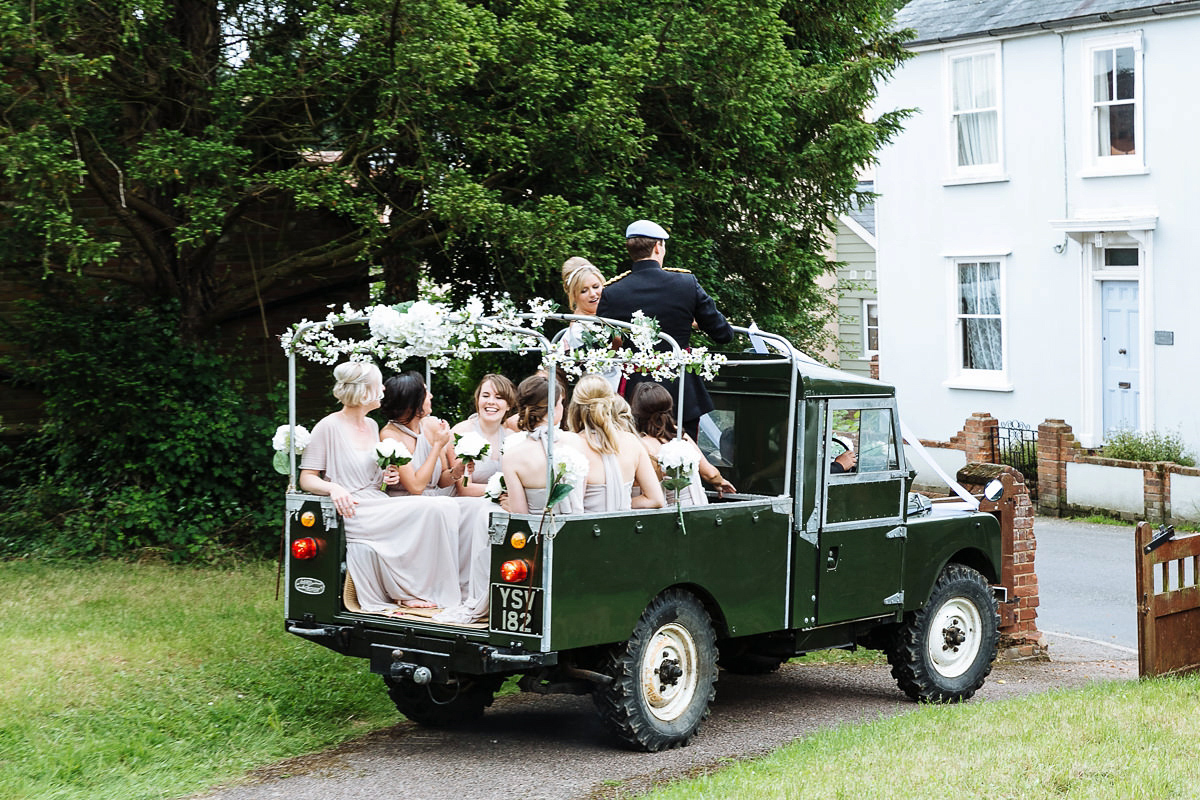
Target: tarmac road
[[529, 746]]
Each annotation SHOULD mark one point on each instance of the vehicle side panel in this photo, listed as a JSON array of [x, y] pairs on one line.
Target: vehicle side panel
[[607, 570]]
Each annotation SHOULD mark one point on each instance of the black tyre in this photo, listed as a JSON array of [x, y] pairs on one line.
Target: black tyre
[[443, 706], [664, 677], [944, 652]]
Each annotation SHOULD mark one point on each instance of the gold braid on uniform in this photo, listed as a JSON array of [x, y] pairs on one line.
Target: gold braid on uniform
[[616, 278], [676, 269]]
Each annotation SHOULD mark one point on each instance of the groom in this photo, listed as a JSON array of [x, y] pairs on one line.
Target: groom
[[673, 297]]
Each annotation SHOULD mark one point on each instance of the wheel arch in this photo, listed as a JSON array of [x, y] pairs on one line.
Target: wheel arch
[[921, 582], [710, 603]]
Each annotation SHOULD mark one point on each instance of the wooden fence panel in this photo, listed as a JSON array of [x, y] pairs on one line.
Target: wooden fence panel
[[1168, 590]]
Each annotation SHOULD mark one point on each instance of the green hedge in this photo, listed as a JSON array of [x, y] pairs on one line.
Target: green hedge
[[145, 442]]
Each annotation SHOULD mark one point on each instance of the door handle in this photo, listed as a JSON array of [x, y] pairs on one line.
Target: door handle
[[1121, 351], [1123, 385]]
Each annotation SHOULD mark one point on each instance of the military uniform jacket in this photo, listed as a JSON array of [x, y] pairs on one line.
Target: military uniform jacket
[[674, 297]]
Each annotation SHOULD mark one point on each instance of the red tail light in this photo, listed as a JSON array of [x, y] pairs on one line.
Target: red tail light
[[304, 549], [515, 571]]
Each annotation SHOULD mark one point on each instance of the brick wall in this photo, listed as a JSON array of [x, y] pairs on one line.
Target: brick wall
[[1019, 636]]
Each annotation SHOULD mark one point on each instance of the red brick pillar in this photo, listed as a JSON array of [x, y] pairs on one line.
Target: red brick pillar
[[1056, 448], [1019, 636], [977, 437], [874, 367], [1156, 489]]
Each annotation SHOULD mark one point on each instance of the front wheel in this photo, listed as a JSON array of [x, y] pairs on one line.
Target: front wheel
[[944, 652], [664, 676]]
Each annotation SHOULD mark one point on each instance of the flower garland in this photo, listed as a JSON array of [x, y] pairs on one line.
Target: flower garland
[[441, 334]]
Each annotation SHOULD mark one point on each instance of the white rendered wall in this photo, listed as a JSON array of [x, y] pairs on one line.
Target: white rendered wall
[[1185, 497], [1111, 488]]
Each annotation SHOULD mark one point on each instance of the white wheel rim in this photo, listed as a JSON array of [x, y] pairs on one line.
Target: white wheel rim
[[669, 691], [954, 637]]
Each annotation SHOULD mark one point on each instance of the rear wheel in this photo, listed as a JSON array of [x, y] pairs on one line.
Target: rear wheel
[[944, 652], [443, 705], [664, 676]]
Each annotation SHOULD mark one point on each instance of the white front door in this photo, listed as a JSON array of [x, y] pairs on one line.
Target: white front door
[[1120, 380]]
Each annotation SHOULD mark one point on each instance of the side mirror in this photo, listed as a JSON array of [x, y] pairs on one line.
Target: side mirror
[[994, 490]]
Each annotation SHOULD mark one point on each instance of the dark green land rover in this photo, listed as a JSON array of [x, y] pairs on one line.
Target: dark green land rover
[[640, 608]]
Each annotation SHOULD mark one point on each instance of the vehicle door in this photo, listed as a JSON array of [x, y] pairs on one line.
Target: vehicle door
[[862, 535]]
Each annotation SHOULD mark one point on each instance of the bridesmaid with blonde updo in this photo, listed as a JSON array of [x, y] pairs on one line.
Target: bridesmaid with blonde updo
[[616, 459]]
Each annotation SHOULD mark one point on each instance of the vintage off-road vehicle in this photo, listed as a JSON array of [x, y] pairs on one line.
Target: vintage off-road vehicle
[[639, 608]]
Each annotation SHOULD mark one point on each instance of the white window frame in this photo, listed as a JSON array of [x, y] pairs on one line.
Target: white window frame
[[864, 327], [1094, 164], [974, 173], [960, 377]]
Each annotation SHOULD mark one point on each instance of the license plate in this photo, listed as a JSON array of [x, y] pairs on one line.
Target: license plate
[[516, 609]]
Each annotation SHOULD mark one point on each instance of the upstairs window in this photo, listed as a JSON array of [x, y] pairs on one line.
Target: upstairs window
[[974, 84], [1114, 108]]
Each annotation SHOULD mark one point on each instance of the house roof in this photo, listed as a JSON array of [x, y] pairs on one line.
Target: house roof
[[951, 20], [864, 214]]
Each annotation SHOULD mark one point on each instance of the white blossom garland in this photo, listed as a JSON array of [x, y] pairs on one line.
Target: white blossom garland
[[440, 334]]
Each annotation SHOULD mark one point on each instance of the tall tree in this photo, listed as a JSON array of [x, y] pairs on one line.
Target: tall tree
[[482, 141]]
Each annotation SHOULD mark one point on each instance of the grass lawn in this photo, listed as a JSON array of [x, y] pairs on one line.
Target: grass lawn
[[1123, 739], [129, 681]]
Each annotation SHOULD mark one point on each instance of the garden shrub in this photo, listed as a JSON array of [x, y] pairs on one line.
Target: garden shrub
[[145, 441], [1130, 445]]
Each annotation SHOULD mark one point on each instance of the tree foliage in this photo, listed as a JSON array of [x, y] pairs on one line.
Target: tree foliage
[[482, 141]]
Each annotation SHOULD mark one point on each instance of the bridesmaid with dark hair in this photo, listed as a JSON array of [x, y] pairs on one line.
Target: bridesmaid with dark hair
[[434, 472]]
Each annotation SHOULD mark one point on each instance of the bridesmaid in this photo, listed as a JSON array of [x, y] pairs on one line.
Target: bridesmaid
[[495, 399], [616, 460], [399, 550], [524, 459], [435, 472], [654, 414]]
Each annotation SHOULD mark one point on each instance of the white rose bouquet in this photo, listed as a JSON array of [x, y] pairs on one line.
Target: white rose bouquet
[[389, 452], [570, 471], [678, 461], [470, 447], [496, 487], [281, 441]]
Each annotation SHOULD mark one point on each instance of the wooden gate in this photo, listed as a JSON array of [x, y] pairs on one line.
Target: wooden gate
[[1168, 590]]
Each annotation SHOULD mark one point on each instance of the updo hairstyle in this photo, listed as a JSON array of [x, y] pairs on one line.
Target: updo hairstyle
[[595, 412], [532, 394], [353, 381], [575, 271], [654, 411], [403, 395]]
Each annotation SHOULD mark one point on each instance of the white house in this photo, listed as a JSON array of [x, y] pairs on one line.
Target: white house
[[1038, 225]]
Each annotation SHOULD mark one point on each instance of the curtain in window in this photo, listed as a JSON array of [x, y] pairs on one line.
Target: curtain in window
[[1113, 74], [979, 315], [975, 116]]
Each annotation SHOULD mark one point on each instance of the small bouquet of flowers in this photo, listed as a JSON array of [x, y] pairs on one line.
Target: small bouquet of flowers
[[570, 471], [496, 487], [281, 441], [389, 452], [470, 447], [678, 461]]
